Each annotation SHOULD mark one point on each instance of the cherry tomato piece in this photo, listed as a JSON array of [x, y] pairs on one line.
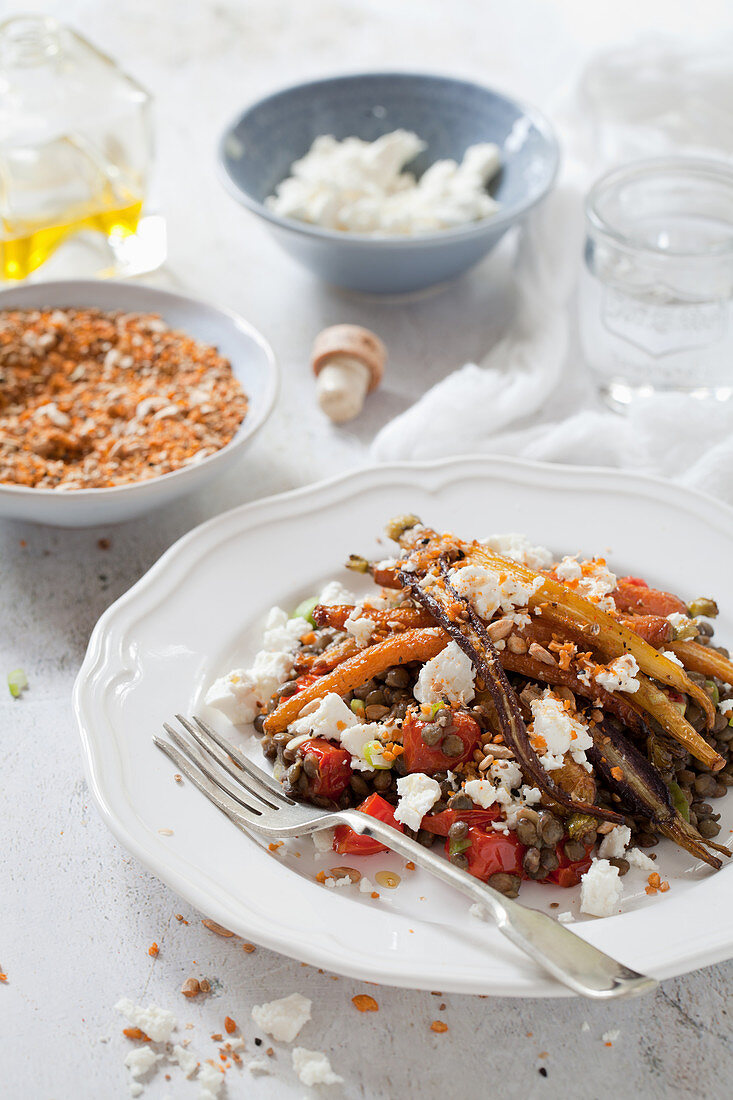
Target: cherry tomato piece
[[349, 843], [334, 768], [439, 824], [488, 853]]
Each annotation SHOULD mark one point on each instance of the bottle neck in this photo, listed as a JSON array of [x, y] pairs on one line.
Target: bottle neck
[[28, 41]]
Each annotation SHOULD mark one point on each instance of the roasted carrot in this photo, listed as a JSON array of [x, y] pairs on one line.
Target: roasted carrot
[[666, 713], [412, 645], [642, 600], [604, 633], [654, 629], [701, 658], [405, 617]]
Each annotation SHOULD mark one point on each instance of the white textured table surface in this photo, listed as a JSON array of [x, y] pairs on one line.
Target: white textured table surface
[[78, 913]]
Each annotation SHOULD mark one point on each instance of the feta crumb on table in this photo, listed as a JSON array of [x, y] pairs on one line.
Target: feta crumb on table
[[314, 1068], [211, 1081], [283, 1018], [157, 1023], [140, 1060], [418, 794], [601, 889]]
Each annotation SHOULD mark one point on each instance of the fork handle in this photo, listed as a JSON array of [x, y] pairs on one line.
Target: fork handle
[[568, 957]]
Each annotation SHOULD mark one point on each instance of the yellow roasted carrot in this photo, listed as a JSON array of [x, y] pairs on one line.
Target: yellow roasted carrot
[[604, 633]]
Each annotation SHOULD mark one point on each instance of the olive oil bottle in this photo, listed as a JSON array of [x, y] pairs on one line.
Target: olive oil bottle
[[75, 151]]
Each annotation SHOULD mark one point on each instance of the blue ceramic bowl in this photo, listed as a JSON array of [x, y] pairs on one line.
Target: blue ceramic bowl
[[257, 150]]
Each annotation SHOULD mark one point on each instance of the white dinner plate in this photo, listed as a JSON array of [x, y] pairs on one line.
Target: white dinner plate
[[200, 610]]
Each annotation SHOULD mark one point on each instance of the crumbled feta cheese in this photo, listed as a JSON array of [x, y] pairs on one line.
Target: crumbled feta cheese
[[140, 1060], [450, 674], [507, 773], [283, 1019], [314, 1068], [678, 620], [211, 1080], [330, 719], [566, 917], [519, 548], [365, 886], [242, 693], [334, 594], [619, 674], [359, 627], [478, 911], [481, 792], [725, 706], [555, 732], [323, 840], [596, 584], [157, 1023], [418, 794], [585, 1026], [360, 186], [672, 657], [636, 858], [258, 1067], [282, 634], [333, 883], [615, 843], [568, 569], [186, 1059], [601, 889], [610, 1036], [356, 738], [487, 594]]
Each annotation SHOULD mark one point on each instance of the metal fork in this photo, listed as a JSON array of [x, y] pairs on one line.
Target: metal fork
[[256, 803]]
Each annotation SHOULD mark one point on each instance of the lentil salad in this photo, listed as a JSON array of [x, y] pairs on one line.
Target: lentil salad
[[540, 717]]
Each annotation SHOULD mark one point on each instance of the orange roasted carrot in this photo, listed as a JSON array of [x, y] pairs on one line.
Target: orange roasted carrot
[[642, 600], [412, 645], [406, 617], [701, 658]]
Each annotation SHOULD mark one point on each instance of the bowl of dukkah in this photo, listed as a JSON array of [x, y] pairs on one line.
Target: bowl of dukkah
[[117, 399]]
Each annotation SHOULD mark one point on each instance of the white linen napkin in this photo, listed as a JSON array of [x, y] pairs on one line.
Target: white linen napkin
[[532, 395]]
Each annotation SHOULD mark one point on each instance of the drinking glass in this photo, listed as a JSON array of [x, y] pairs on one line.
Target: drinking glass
[[656, 289]]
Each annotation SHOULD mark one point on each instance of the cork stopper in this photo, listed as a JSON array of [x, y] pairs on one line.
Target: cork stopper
[[350, 342]]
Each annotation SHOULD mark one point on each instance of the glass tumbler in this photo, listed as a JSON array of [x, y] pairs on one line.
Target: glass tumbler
[[656, 288]]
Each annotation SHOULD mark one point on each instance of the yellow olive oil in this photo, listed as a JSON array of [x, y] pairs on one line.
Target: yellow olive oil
[[25, 245]]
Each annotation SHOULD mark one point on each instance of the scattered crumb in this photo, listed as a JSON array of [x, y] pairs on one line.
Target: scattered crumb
[[364, 1003], [217, 928], [250, 947], [409, 866], [103, 544], [610, 1037], [258, 1066], [191, 987], [544, 1054], [283, 1018], [153, 950], [438, 1026], [166, 832], [585, 1026], [205, 985], [135, 1033], [181, 919], [314, 1068], [156, 1022], [229, 1025], [178, 778], [217, 1037]]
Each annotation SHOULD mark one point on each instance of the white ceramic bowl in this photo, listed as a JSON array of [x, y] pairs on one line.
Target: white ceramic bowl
[[253, 364]]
